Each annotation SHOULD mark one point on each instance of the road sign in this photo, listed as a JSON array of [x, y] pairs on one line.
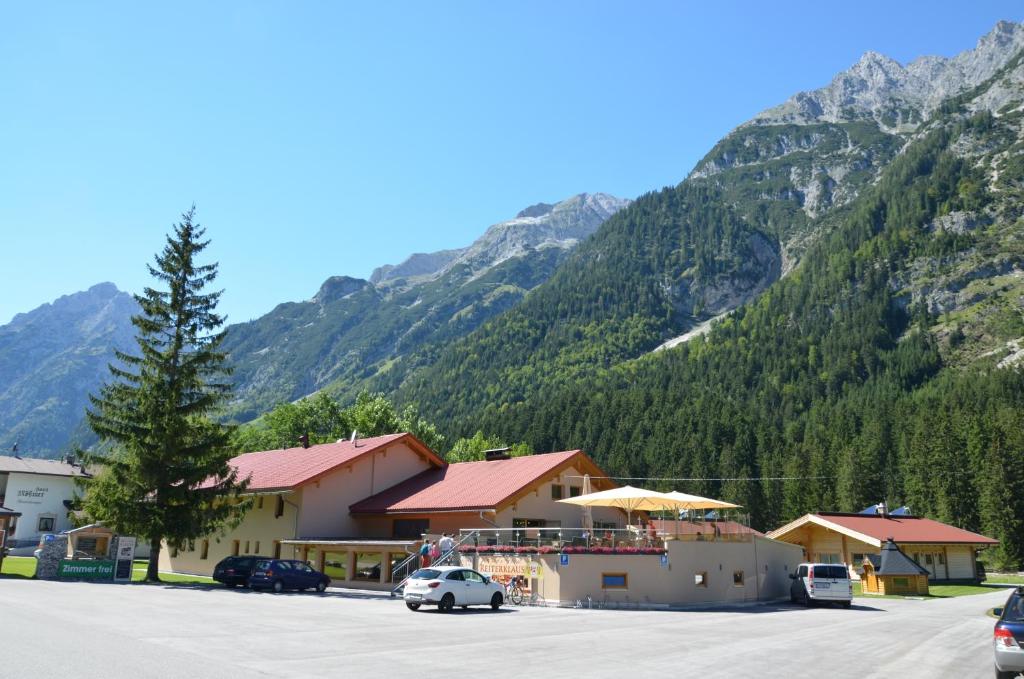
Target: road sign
[[563, 559], [125, 554]]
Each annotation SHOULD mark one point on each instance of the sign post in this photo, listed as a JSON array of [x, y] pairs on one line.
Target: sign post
[[125, 555]]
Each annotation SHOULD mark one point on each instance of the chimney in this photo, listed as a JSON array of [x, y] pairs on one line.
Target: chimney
[[883, 509], [304, 440], [354, 438], [497, 454]]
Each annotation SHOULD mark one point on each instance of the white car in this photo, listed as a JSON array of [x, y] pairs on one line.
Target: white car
[[814, 582], [449, 586]]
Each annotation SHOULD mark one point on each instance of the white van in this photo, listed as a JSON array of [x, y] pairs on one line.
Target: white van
[[821, 582]]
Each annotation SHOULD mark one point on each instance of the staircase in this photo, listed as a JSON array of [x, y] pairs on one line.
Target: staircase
[[402, 571]]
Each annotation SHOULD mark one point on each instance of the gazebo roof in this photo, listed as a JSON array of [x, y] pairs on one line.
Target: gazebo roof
[[892, 561]]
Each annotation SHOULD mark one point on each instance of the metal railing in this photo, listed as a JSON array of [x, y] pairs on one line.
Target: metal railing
[[411, 564], [607, 537]]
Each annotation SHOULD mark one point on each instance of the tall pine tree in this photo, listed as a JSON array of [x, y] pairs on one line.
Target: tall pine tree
[[155, 413]]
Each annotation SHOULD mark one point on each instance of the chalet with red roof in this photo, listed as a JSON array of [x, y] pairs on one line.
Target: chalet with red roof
[[356, 508], [948, 553]]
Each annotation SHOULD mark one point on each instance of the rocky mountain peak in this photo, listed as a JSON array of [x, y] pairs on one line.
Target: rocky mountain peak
[[538, 210], [338, 287], [898, 96], [562, 224]]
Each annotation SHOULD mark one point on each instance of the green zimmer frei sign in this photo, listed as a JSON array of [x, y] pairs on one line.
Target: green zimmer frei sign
[[86, 570]]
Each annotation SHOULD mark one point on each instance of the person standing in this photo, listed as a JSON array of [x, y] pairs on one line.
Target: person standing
[[435, 551], [447, 544], [425, 554]]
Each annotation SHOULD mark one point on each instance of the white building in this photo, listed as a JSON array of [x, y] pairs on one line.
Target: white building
[[41, 491]]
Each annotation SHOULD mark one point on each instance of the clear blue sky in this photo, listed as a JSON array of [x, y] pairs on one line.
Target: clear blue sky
[[319, 139]]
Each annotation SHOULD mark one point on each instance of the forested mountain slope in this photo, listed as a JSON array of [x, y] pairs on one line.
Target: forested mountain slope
[[882, 366], [354, 329]]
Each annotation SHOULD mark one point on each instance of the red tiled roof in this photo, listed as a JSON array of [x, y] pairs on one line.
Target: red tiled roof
[[465, 485], [904, 529], [291, 467]]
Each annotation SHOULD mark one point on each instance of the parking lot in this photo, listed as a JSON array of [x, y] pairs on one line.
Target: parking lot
[[83, 630]]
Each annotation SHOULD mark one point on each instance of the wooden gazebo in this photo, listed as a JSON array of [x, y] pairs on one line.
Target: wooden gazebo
[[893, 572]]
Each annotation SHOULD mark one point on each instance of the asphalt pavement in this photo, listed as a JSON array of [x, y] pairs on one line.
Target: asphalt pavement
[[86, 630]]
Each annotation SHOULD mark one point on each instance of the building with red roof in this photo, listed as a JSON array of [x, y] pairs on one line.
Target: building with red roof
[[946, 552], [355, 508]]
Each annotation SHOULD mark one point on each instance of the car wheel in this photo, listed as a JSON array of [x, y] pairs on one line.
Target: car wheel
[[807, 600], [321, 587], [847, 604], [496, 601], [412, 605], [1005, 675], [278, 586], [229, 585], [447, 603]]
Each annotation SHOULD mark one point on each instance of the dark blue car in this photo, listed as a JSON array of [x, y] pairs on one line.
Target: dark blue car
[[282, 574], [1008, 636]]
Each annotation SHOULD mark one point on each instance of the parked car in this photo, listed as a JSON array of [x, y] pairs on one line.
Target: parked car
[[282, 574], [449, 586], [815, 582], [235, 570], [1008, 636]]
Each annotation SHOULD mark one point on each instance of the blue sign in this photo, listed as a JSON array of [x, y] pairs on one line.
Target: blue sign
[[664, 560], [563, 559], [48, 538]]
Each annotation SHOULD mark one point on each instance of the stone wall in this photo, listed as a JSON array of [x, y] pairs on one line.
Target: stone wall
[[49, 559]]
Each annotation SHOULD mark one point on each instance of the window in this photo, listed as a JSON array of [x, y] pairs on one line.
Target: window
[[259, 502], [456, 576], [368, 566], [557, 491], [802, 572], [246, 546], [174, 552], [279, 509], [277, 549], [614, 581], [472, 576], [234, 548], [858, 560], [46, 524], [700, 579], [831, 572], [336, 565], [205, 549], [942, 559], [256, 549], [410, 528], [575, 491], [737, 578]]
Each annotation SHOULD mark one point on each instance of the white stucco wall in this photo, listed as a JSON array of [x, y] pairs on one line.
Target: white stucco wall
[[35, 496], [325, 502]]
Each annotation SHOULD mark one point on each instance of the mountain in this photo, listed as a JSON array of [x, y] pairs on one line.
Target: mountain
[[353, 330], [51, 358], [872, 273]]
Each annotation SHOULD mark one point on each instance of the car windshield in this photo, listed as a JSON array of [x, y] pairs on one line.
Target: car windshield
[[425, 574], [836, 572], [1014, 610]]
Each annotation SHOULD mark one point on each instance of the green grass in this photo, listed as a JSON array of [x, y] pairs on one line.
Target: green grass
[[936, 591], [19, 566], [1004, 579], [25, 567]]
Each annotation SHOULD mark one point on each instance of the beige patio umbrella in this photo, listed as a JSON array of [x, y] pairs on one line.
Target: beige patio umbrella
[[588, 514], [628, 498], [698, 502]]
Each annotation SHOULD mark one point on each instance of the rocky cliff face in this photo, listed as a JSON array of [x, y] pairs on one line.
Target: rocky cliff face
[[899, 97], [51, 358], [561, 225]]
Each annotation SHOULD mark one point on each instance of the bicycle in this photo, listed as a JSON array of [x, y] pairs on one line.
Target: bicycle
[[514, 591]]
